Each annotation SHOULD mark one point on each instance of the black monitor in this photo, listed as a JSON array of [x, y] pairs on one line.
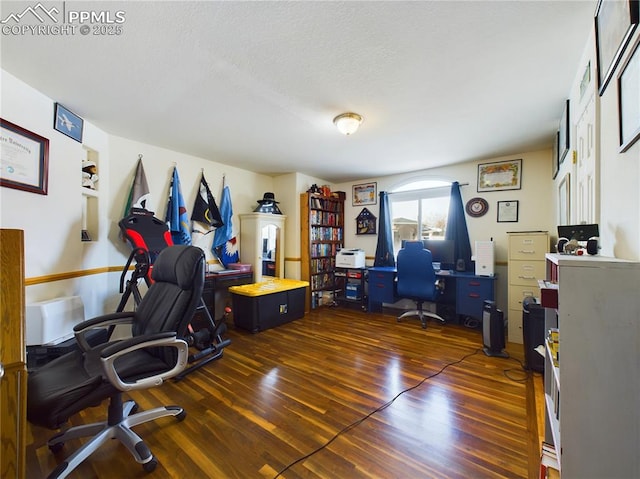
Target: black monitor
[[578, 232], [442, 252]]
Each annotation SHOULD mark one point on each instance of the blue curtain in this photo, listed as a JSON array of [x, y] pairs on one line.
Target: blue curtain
[[457, 227], [384, 249]]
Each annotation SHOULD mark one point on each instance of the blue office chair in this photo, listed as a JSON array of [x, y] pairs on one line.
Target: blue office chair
[[417, 279]]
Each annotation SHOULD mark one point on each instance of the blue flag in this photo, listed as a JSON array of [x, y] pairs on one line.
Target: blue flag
[[225, 245], [177, 218]]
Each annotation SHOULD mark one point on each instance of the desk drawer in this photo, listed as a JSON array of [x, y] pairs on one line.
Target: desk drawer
[[381, 286], [518, 293], [471, 294], [526, 273], [528, 246]]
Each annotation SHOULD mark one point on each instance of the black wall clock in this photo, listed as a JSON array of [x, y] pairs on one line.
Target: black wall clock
[[477, 207]]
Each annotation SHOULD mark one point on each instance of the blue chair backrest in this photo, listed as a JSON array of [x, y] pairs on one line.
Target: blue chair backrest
[[415, 273]]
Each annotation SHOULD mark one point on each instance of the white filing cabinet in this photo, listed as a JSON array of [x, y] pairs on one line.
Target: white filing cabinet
[[526, 266]]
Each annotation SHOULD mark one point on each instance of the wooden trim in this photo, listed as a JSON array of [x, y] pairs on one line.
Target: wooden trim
[[50, 278]]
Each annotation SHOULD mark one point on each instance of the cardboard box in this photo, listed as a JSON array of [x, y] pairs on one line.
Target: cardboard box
[[265, 305]]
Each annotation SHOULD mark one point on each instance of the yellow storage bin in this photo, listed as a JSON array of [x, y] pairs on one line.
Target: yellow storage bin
[[264, 305]]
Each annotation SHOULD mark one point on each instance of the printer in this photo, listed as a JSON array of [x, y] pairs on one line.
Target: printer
[[350, 258]]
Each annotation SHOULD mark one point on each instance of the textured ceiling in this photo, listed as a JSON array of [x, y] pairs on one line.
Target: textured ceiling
[[257, 84]]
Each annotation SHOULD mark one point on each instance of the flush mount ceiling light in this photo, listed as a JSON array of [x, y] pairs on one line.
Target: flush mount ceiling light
[[347, 123]]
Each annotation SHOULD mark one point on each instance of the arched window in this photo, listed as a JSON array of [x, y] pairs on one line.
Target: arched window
[[419, 210]]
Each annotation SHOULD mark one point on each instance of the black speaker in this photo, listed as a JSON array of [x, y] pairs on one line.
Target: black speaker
[[493, 330], [592, 246], [532, 333], [561, 244], [460, 266]]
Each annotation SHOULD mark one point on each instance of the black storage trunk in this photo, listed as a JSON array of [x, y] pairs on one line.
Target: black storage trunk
[[256, 307]]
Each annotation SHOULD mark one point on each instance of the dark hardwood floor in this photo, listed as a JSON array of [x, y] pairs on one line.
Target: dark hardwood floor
[[330, 386]]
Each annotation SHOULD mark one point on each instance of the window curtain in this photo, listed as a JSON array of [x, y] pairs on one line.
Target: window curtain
[[457, 227], [384, 248]]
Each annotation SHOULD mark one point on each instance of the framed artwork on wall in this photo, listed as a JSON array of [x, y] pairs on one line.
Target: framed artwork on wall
[[629, 100], [508, 211], [365, 223], [555, 161], [563, 134], [615, 22], [68, 123], [500, 176], [364, 194], [24, 159], [564, 200]]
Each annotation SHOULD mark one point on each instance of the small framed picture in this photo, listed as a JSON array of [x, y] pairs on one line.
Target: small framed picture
[[629, 100], [68, 123], [365, 194], [564, 140], [614, 26], [508, 211], [499, 176]]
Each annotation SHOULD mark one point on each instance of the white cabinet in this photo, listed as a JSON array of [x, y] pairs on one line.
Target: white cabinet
[[526, 266], [593, 396], [262, 244]]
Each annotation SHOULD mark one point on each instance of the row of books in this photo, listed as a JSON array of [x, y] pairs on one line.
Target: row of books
[[326, 233], [319, 265], [324, 218], [319, 250], [553, 342], [549, 464], [325, 204], [322, 281]]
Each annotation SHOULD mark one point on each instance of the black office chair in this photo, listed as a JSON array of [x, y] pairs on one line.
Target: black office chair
[[155, 352], [417, 279]]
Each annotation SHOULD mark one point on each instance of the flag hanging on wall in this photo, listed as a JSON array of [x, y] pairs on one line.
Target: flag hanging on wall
[[205, 209], [139, 195], [177, 218], [225, 245]]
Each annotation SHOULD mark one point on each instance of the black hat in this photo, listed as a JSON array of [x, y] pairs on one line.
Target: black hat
[[268, 204], [268, 198]]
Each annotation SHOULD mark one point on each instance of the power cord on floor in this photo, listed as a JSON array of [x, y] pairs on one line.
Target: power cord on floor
[[381, 408]]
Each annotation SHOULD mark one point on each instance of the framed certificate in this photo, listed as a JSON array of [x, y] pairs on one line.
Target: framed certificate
[[24, 159], [508, 211]]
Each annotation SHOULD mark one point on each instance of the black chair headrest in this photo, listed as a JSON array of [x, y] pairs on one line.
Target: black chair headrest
[[178, 264], [413, 245]]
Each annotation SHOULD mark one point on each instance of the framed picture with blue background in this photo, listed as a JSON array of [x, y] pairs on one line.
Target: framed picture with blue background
[[67, 122]]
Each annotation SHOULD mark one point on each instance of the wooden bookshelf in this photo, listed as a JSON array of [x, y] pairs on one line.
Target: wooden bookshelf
[[321, 236]]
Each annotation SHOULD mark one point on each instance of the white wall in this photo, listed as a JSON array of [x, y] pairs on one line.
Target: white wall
[[246, 187], [52, 222], [620, 177], [535, 206]]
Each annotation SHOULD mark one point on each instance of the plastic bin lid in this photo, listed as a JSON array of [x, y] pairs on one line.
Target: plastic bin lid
[[268, 287]]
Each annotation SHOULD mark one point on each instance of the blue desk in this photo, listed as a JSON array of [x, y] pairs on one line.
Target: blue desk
[[465, 292]]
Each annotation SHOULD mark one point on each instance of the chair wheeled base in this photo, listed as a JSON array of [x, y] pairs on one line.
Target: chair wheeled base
[[122, 417], [421, 314]]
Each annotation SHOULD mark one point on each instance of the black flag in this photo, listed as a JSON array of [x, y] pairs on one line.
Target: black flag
[[205, 209]]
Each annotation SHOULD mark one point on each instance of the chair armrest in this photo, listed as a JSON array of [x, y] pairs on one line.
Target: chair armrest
[[108, 320], [112, 352]]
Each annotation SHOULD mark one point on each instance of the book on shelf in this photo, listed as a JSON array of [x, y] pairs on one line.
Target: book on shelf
[[549, 465]]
